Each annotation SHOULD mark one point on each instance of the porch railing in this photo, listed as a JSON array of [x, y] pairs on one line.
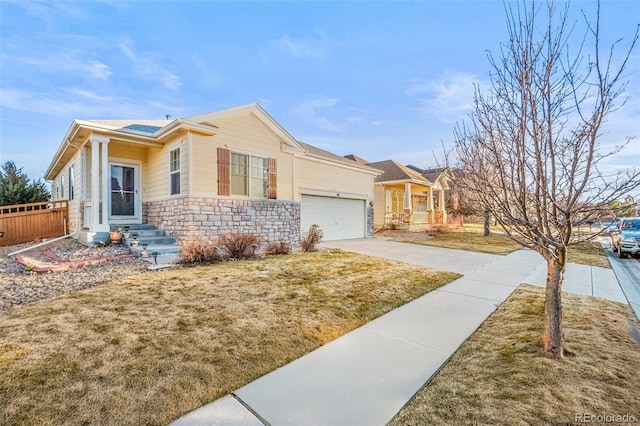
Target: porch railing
[[429, 217]]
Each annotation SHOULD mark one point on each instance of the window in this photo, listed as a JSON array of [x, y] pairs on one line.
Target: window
[[239, 174], [397, 201], [258, 177], [71, 184], [174, 171], [61, 187], [249, 175]]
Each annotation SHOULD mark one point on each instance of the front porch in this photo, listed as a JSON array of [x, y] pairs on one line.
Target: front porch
[[415, 221], [108, 191], [414, 207]]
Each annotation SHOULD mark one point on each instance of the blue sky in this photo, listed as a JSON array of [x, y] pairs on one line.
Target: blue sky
[[378, 79]]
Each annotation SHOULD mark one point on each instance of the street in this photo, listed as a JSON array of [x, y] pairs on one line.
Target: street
[[628, 273]]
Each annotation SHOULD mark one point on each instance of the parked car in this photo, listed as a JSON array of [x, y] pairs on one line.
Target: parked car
[[625, 240], [609, 227]]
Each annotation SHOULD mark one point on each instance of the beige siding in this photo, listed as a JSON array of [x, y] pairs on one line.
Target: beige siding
[[121, 151], [203, 166], [333, 179], [155, 172], [246, 135], [62, 180], [379, 205]]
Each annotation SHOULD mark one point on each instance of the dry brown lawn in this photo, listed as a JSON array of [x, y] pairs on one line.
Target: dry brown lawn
[[472, 239], [500, 376], [589, 253], [148, 349]]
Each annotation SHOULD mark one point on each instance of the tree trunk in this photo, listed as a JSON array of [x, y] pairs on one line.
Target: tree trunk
[[487, 230], [553, 309]]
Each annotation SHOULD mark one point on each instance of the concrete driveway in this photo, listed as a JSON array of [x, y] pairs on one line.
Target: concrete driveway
[[578, 279], [460, 261]]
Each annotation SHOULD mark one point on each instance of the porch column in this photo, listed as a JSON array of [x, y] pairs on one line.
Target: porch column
[[104, 177], [408, 207], [443, 209], [407, 196], [430, 215], [98, 183]]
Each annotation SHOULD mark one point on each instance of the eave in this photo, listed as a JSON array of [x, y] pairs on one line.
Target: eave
[[81, 132]]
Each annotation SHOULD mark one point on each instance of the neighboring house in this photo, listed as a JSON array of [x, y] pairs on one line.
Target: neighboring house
[[407, 199], [233, 170]]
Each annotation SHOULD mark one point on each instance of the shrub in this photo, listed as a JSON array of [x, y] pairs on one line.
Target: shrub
[[281, 247], [240, 246], [199, 252], [310, 238]]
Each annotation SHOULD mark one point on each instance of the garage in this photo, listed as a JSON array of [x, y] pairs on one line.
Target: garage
[[338, 218]]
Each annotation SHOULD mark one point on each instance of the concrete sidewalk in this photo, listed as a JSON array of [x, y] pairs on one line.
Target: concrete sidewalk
[[368, 375]]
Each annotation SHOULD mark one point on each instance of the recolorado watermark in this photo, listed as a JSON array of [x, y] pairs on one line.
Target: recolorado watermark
[[605, 418]]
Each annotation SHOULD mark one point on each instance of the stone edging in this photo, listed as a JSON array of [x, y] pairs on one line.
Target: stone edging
[[70, 263]]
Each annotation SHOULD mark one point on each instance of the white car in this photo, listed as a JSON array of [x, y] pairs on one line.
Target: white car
[[625, 240]]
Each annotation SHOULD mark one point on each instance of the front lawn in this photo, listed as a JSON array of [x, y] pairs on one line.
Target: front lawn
[[473, 239], [148, 349], [500, 375]]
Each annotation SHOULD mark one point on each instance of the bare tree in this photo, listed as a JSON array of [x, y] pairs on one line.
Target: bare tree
[[531, 147]]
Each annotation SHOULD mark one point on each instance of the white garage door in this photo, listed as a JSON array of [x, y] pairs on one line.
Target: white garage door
[[338, 218]]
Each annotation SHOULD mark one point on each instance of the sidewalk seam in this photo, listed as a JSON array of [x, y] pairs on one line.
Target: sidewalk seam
[[251, 410]]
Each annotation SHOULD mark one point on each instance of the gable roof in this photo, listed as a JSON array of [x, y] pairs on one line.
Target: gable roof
[[142, 132], [314, 151], [357, 159], [434, 174], [255, 110], [394, 171], [154, 132]]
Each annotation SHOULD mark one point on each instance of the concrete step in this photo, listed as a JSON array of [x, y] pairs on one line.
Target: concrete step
[[142, 233], [156, 241], [137, 226], [151, 240], [160, 249]]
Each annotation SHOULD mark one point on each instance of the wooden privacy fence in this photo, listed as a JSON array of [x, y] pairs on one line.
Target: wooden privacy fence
[[26, 222]]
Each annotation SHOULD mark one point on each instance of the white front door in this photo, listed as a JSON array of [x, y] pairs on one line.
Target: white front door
[[124, 201]]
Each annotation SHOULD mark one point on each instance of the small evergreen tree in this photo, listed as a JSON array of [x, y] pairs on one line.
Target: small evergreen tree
[[15, 187]]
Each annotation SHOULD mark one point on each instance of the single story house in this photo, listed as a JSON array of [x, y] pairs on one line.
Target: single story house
[[233, 170], [406, 197]]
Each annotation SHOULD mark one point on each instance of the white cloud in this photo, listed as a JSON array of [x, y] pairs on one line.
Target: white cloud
[[73, 103], [314, 112], [329, 114], [448, 98], [67, 62], [50, 12], [298, 47], [149, 64]]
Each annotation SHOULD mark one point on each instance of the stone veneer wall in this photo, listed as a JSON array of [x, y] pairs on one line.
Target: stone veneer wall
[[195, 218], [369, 222]]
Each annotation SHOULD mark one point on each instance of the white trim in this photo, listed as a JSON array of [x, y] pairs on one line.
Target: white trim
[[137, 205], [174, 147], [331, 194], [357, 167], [95, 187], [105, 176], [249, 196], [189, 150]]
